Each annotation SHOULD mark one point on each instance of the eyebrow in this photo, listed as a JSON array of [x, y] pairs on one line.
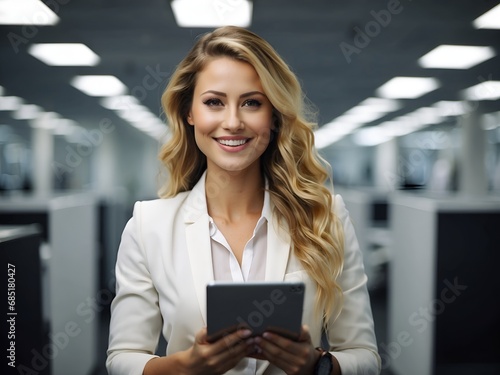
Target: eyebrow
[[245, 95]]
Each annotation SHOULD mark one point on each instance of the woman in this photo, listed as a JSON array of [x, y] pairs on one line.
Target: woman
[[245, 200]]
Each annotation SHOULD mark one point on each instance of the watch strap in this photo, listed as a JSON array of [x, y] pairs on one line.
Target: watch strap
[[324, 365]]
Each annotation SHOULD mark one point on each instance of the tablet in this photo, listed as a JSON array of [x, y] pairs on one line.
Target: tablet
[[258, 306]]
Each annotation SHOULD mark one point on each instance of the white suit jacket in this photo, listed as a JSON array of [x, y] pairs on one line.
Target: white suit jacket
[[164, 264]]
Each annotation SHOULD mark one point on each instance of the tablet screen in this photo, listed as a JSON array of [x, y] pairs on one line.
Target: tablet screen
[[258, 306]]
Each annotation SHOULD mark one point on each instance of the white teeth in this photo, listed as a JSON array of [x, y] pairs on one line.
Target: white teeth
[[232, 142]]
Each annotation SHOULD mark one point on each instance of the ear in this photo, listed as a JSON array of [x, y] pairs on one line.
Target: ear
[[189, 119]]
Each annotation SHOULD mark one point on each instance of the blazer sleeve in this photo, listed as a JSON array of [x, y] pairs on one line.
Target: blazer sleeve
[[351, 336], [136, 321]]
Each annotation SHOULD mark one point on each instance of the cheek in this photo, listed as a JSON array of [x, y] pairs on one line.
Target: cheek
[[205, 124]]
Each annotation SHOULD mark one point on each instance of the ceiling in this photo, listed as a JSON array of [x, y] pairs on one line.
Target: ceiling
[[136, 38]]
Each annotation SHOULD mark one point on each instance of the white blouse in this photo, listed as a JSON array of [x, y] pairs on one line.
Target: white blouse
[[253, 264]]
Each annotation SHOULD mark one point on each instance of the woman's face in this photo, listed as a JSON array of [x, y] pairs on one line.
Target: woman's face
[[231, 115]]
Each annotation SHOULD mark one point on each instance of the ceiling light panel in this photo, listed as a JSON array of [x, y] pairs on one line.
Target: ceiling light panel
[[26, 12], [27, 112], [456, 57], [121, 102], [99, 85], [371, 136], [10, 103], [407, 87], [488, 90], [64, 54], [489, 20], [203, 13]]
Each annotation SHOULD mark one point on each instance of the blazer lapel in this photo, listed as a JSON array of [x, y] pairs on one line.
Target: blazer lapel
[[198, 243], [200, 257], [278, 251]]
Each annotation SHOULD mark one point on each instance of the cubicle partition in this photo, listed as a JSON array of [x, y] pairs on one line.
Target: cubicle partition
[[23, 327], [69, 278], [369, 213], [444, 317]]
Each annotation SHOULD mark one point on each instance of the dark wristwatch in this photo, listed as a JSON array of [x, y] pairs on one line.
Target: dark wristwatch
[[324, 366]]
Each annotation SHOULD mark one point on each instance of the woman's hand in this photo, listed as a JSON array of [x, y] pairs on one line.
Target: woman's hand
[[220, 356], [205, 358], [293, 357]]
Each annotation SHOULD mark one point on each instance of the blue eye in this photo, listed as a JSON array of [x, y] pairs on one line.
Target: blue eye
[[252, 103], [212, 102]]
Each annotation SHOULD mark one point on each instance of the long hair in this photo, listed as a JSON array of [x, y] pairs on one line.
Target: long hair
[[295, 172]]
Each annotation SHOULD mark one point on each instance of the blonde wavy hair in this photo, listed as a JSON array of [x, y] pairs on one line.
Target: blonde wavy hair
[[295, 172]]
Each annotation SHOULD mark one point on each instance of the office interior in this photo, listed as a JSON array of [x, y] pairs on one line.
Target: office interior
[[407, 101]]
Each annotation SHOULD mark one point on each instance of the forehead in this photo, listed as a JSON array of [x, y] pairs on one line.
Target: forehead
[[228, 72]]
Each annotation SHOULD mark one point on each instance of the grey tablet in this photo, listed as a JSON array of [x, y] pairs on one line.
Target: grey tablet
[[258, 306]]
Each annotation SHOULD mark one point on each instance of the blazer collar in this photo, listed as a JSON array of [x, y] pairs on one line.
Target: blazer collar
[[196, 202]]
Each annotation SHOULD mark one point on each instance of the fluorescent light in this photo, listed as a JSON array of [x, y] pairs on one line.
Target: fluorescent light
[[64, 54], [66, 127], [27, 112], [120, 102], [427, 115], [10, 103], [333, 132], [487, 90], [489, 20], [407, 87], [324, 137], [451, 108], [456, 57], [397, 127], [203, 13], [137, 114], [46, 120], [379, 105], [26, 12], [99, 85], [371, 136], [369, 110], [356, 115]]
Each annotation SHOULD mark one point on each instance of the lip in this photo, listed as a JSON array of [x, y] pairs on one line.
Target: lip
[[233, 138]]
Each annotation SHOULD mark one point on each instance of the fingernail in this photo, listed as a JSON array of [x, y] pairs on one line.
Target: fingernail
[[246, 333]]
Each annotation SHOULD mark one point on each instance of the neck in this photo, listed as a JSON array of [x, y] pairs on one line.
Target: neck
[[230, 196]]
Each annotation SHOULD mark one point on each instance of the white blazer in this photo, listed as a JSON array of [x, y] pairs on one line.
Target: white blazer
[[164, 264]]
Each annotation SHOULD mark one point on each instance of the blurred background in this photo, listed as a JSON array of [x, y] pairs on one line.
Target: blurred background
[[408, 111]]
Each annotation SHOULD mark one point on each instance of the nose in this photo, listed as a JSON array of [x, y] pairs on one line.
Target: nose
[[233, 121]]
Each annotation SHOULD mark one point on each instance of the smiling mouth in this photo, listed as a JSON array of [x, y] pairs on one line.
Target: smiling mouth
[[232, 142]]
